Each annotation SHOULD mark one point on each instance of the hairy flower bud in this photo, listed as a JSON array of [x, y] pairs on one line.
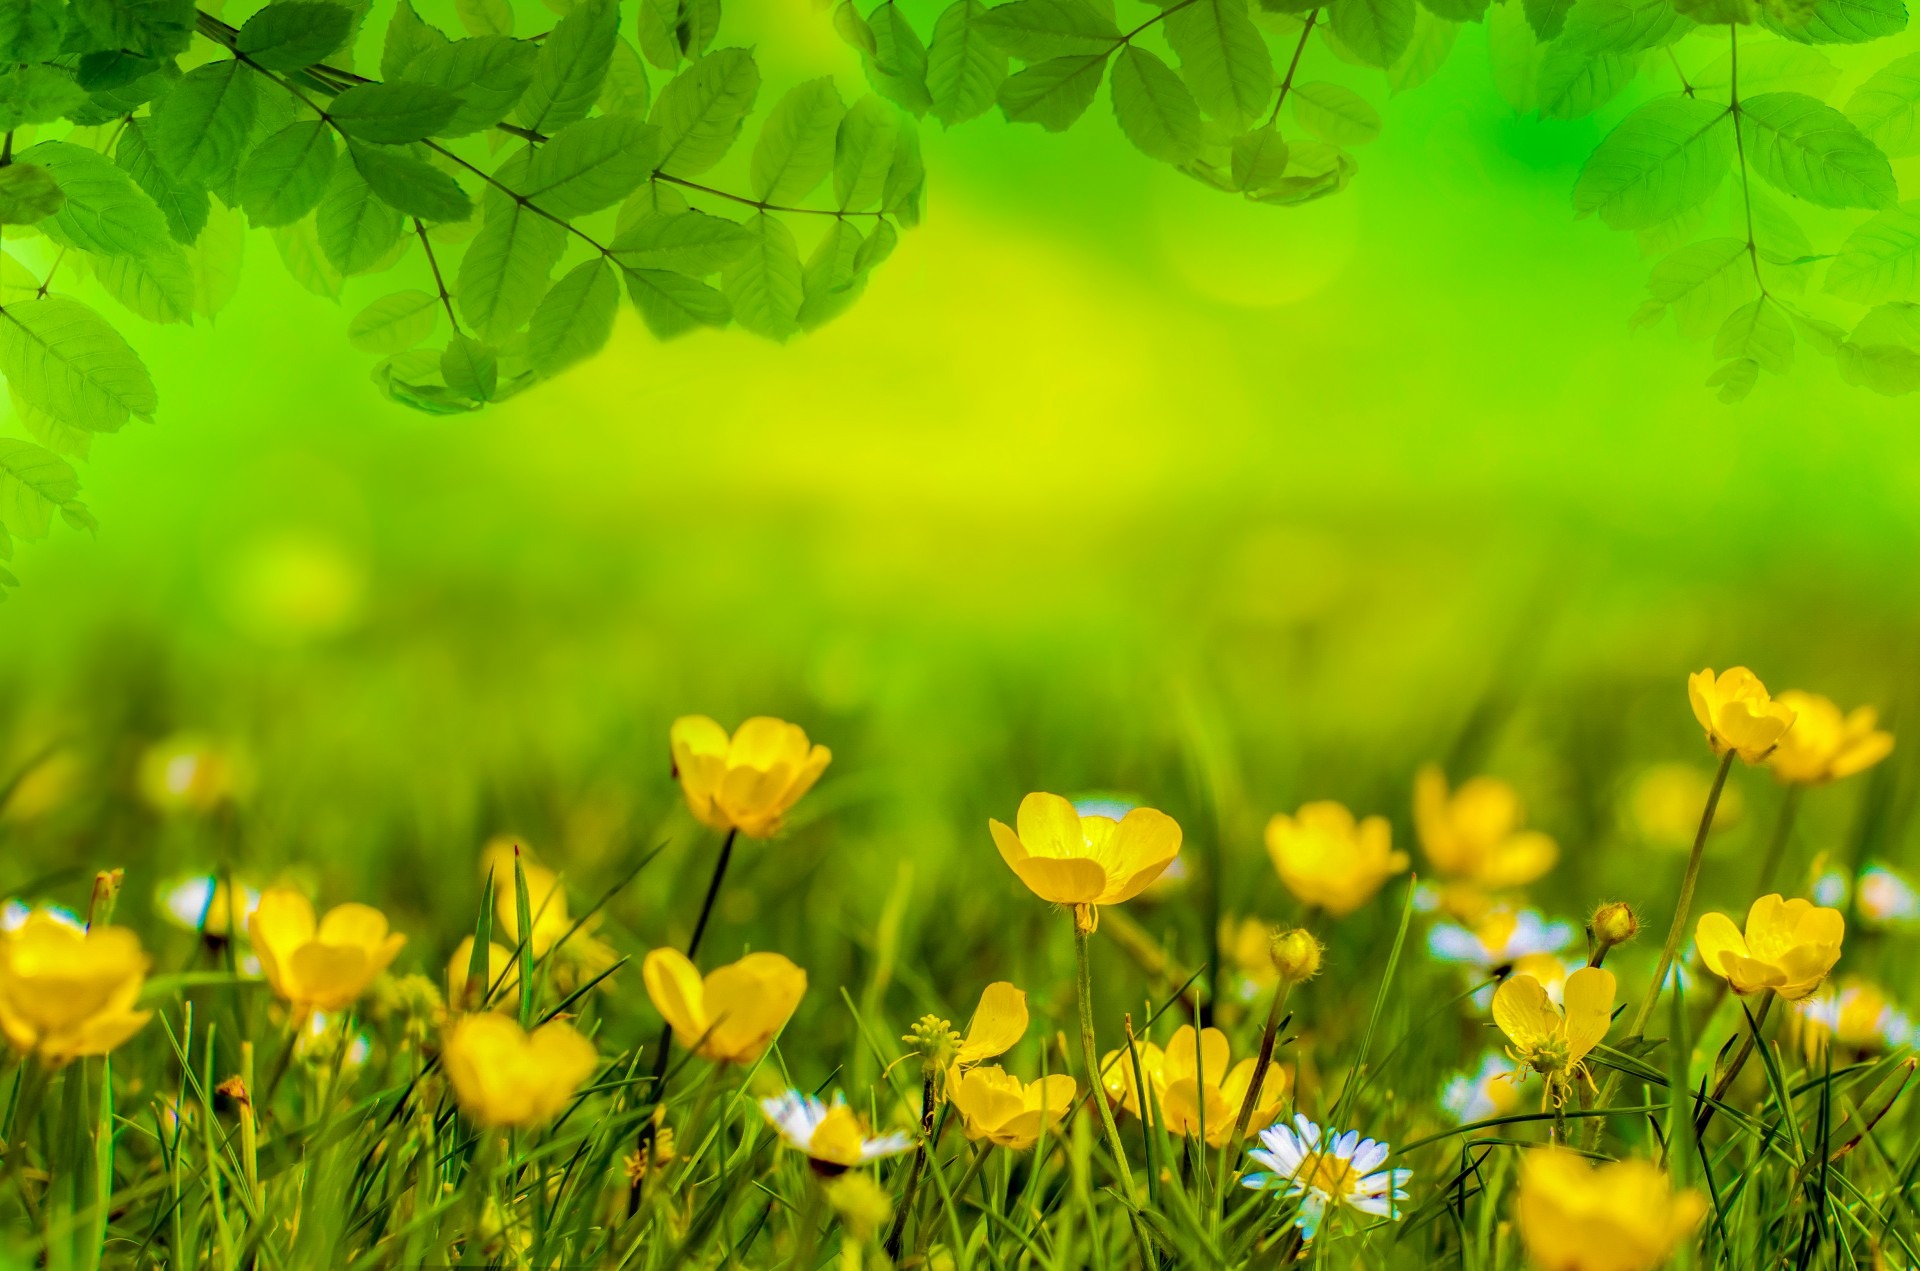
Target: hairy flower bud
[[1614, 923], [1296, 955]]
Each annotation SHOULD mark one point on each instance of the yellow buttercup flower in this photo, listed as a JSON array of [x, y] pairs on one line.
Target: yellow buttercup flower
[[1327, 859], [1623, 1216], [1194, 1081], [503, 969], [1825, 745], [1789, 946], [67, 993], [1737, 713], [324, 966], [1077, 860], [1551, 1041], [1664, 803], [733, 1014], [503, 1075], [749, 781], [1004, 1110], [1473, 834], [998, 1022], [1246, 946], [546, 904]]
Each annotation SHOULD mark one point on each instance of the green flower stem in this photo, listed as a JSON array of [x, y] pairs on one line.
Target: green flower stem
[[1683, 907], [1092, 1056], [1261, 1061], [898, 1232], [1754, 1024], [1777, 846]]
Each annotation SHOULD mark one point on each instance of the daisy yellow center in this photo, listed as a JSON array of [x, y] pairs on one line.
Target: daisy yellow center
[[1329, 1174]]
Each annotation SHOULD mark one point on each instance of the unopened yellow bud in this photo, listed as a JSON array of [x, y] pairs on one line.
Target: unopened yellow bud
[[863, 1205], [1296, 955], [1615, 923]]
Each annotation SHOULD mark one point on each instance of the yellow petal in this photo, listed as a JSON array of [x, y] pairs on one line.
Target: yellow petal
[[1717, 940], [1589, 998], [328, 976], [1064, 882], [999, 1021], [675, 987], [748, 1002], [1523, 1011], [1050, 827], [361, 926]]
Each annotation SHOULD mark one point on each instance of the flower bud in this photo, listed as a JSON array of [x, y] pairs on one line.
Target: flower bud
[[863, 1205], [1296, 955], [1615, 923], [936, 1042]]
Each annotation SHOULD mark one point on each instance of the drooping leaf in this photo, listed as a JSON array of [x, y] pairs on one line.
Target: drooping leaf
[[1625, 26], [34, 485], [1701, 283], [1548, 18], [626, 90], [37, 95], [1758, 331], [289, 35], [154, 28], [286, 175], [795, 150], [395, 113], [506, 269], [831, 280], [1883, 351], [1880, 260], [1843, 22], [105, 212], [1257, 160], [1433, 40], [215, 258], [299, 248], [158, 286], [392, 323], [673, 304], [700, 111], [486, 74], [1808, 149], [1667, 156], [28, 193], [674, 30], [1035, 30], [182, 204], [357, 227], [200, 129], [1887, 107], [864, 147], [572, 65], [575, 318], [592, 164], [409, 184], [964, 67], [68, 361], [1335, 113], [1224, 60], [1378, 31], [1735, 379], [408, 38], [470, 367], [906, 183], [1053, 93], [483, 18], [685, 242], [897, 67], [1574, 82], [1153, 107], [763, 285]]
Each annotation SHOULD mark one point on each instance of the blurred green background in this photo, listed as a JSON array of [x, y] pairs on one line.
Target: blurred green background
[[1108, 482]]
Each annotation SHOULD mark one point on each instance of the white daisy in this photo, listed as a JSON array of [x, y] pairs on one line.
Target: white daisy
[[829, 1133], [1499, 940], [14, 915], [1886, 898], [1327, 1173], [189, 903]]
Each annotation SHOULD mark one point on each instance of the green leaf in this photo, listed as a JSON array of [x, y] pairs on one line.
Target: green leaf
[[472, 369], [356, 227], [65, 359], [1626, 26], [1883, 353], [290, 35], [592, 164], [1807, 148], [1887, 107], [1574, 82], [1432, 41], [1053, 93], [906, 177], [1224, 60], [486, 75], [1880, 260], [105, 212], [795, 150], [964, 67], [1036, 30], [1335, 113], [34, 484], [28, 193], [691, 243], [863, 153], [1758, 331], [1843, 22], [412, 185], [1669, 155], [1453, 11], [897, 67], [1315, 170], [158, 286], [673, 304], [30, 29], [395, 113], [575, 319], [572, 65], [1257, 160], [1153, 107], [626, 91], [673, 30], [699, 112], [879, 245], [215, 258], [832, 279], [184, 206], [408, 39], [1735, 380], [1378, 31], [763, 284], [155, 28], [299, 248], [37, 95], [286, 175], [1769, 66], [485, 17], [200, 129], [392, 323], [1547, 17], [506, 269], [1701, 282]]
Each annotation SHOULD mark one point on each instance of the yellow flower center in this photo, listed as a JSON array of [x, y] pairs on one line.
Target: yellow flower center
[[1327, 1173]]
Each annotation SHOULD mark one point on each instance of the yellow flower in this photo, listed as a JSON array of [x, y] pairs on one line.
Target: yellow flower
[[732, 1015], [1071, 859], [1665, 802], [998, 1022], [1474, 834], [749, 781], [1858, 1016], [505, 1076], [201, 903], [319, 967], [1824, 745], [1737, 713], [1550, 1041], [829, 1133], [1623, 1216], [1194, 1080], [1789, 946], [1246, 946], [1003, 1109], [1327, 859], [65, 993], [188, 773], [503, 969]]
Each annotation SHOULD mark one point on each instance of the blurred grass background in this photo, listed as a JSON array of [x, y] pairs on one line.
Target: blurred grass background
[[1108, 482]]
